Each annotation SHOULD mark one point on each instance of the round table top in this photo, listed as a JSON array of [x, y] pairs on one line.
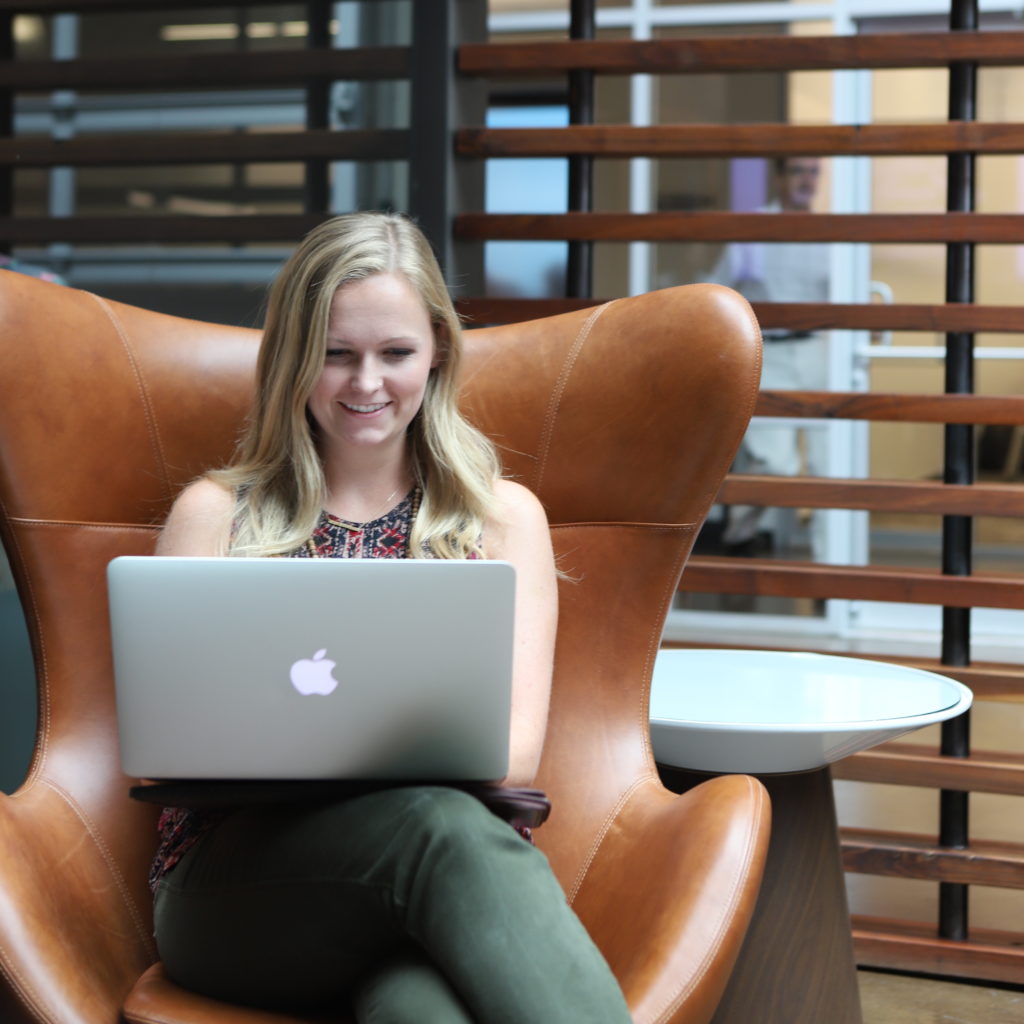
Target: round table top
[[778, 711]]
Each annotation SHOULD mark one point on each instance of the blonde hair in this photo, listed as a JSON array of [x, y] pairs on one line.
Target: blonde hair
[[277, 473]]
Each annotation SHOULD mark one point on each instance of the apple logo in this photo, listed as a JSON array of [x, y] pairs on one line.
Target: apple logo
[[313, 675]]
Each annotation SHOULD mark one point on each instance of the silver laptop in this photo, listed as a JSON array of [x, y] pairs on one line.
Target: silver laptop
[[278, 668]]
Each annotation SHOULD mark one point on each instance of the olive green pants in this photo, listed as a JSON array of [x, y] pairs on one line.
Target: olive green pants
[[407, 906]]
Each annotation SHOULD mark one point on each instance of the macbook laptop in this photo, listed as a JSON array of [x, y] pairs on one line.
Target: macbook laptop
[[278, 668]]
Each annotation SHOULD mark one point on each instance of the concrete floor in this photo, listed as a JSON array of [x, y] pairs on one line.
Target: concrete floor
[[897, 999]]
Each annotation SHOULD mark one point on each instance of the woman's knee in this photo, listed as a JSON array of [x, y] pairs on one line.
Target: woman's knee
[[408, 989], [442, 820]]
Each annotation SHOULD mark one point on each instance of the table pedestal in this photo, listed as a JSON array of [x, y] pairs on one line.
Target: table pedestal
[[796, 965]]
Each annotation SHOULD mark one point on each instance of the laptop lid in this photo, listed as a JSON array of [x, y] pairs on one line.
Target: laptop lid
[[291, 668]]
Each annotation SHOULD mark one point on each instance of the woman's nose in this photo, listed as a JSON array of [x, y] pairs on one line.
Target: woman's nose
[[367, 378]]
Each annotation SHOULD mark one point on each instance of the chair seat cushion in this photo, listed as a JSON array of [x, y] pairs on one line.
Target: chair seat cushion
[[155, 999]]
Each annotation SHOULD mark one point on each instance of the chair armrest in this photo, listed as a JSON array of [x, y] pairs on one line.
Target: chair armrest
[[155, 999], [671, 889]]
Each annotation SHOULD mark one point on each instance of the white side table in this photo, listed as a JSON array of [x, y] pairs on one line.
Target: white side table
[[785, 717]]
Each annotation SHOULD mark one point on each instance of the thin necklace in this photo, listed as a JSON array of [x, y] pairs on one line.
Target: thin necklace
[[350, 525]]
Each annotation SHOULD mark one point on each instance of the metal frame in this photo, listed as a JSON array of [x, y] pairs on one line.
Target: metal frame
[[958, 469], [440, 184]]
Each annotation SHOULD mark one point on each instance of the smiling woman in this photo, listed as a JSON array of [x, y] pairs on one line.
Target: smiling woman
[[385, 903]]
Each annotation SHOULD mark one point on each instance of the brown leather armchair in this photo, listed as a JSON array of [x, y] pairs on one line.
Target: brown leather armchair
[[624, 420]]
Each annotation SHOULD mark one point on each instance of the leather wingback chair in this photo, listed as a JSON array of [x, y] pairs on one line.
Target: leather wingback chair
[[622, 419]]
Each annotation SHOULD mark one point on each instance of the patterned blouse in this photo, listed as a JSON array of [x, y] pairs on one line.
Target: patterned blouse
[[385, 537]]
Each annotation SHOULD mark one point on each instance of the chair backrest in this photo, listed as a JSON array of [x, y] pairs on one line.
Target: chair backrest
[[623, 419]]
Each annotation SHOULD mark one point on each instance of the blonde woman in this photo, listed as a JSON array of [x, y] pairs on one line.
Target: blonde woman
[[405, 905]]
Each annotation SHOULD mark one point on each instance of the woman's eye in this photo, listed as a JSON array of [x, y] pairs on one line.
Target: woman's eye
[[399, 353]]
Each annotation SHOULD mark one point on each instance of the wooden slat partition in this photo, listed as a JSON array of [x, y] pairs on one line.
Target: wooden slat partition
[[986, 955], [902, 855], [100, 6], [162, 148], [893, 408], [806, 316], [688, 55], [208, 70], [799, 316], [778, 578], [734, 140], [675, 226], [912, 496], [170, 229], [912, 764]]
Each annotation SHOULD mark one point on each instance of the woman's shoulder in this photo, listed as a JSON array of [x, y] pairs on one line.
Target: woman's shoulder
[[517, 517], [513, 501], [199, 521], [207, 497]]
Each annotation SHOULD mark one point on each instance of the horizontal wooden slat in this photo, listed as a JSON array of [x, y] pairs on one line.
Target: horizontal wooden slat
[[92, 6], [987, 680], [736, 140], [806, 316], [169, 229], [777, 578], [908, 946], [797, 316], [910, 496], [893, 408], [901, 855], [209, 70], [480, 311], [687, 55], [203, 147], [901, 228], [909, 764]]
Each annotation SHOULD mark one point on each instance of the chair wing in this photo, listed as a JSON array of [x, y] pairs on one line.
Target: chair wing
[[107, 412], [624, 420]]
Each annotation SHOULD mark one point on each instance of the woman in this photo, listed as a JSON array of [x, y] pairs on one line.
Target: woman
[[413, 904]]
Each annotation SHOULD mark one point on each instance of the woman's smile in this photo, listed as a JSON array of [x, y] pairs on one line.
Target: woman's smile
[[365, 409]]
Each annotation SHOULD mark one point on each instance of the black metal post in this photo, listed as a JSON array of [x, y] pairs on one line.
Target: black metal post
[[580, 268], [441, 102], [958, 469], [317, 192]]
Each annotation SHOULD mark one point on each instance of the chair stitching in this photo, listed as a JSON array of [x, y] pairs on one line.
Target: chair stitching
[[559, 389], [644, 731], [29, 999], [135, 527], [726, 910], [599, 838], [108, 858], [147, 405]]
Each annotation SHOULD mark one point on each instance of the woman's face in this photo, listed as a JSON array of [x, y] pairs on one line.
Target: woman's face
[[380, 350]]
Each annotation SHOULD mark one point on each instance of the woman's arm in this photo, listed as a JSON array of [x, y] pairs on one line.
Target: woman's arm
[[518, 533], [199, 523]]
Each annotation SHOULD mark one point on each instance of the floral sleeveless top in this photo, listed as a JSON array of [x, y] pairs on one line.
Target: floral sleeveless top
[[181, 828]]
